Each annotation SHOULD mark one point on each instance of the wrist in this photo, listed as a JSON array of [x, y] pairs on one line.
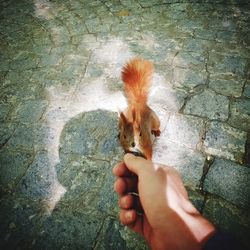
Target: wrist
[[187, 225], [200, 228]]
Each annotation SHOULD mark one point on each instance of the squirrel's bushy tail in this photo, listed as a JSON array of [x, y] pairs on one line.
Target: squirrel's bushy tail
[[136, 75]]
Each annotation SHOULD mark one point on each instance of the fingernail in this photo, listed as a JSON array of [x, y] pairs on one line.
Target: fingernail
[[128, 216]]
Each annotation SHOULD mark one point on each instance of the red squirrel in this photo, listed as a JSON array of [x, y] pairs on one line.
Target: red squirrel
[[138, 122]]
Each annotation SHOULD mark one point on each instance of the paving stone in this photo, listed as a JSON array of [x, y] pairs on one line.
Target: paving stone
[[228, 36], [188, 162], [189, 60], [230, 181], [227, 64], [133, 240], [246, 91], [13, 78], [29, 111], [83, 178], [208, 104], [184, 130], [229, 218], [25, 62], [224, 141], [13, 167], [69, 230], [239, 114], [19, 221], [40, 182], [171, 100], [237, 51], [36, 136], [59, 35], [106, 198], [6, 131], [4, 110], [196, 198], [103, 141], [20, 87], [110, 236], [95, 25], [114, 236], [188, 78], [197, 45], [226, 85], [205, 34]]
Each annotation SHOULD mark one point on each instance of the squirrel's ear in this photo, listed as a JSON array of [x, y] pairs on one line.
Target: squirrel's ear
[[133, 115], [123, 118]]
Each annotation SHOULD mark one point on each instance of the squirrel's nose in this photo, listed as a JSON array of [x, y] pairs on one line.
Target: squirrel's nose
[[132, 144]]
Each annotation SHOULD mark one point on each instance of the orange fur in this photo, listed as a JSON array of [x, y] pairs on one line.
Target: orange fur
[[136, 76], [139, 121]]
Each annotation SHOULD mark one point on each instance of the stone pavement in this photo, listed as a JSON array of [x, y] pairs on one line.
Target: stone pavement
[[59, 95]]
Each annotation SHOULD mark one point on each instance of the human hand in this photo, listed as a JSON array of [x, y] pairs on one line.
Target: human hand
[[168, 220]]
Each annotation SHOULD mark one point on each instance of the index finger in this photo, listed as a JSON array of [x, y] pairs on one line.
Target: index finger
[[121, 170]]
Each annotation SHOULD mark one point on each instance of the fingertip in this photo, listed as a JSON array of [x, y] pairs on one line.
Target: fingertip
[[128, 217], [120, 186], [126, 201], [135, 163], [128, 157], [117, 169]]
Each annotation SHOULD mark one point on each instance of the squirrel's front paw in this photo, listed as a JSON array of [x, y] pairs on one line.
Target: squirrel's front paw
[[156, 132]]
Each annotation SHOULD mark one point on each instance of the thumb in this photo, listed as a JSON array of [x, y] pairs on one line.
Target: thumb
[[136, 164]]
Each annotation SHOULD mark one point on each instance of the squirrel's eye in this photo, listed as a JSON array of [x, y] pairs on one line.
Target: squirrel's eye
[[125, 137], [140, 133]]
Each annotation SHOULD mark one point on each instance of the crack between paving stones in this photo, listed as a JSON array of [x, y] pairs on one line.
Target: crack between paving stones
[[203, 203], [243, 87], [16, 183], [6, 141], [176, 53], [207, 164], [99, 233], [82, 76], [44, 29], [186, 99], [86, 157], [247, 151]]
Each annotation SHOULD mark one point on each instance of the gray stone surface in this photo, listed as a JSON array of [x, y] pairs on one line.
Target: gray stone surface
[[188, 78], [6, 131], [185, 130], [64, 225], [225, 141], [90, 140], [227, 64], [60, 90], [247, 89], [29, 112], [208, 104], [226, 85], [230, 181], [229, 218], [240, 116], [19, 222], [187, 161], [197, 198], [114, 236], [4, 111], [13, 167]]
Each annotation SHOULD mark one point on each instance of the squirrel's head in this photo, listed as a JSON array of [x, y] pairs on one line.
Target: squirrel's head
[[126, 134], [133, 137]]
